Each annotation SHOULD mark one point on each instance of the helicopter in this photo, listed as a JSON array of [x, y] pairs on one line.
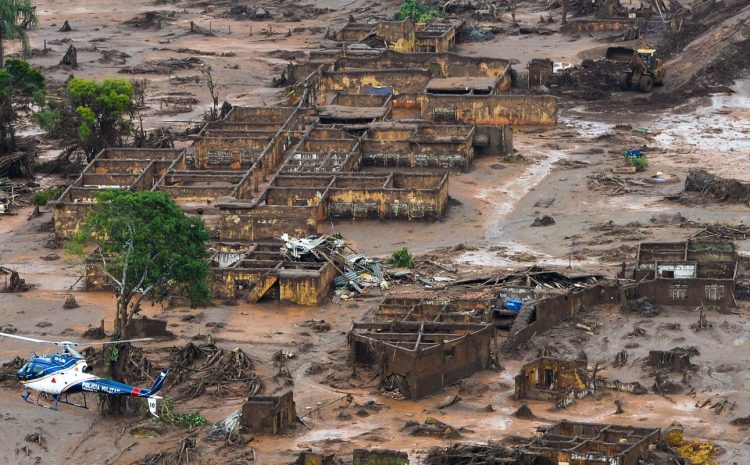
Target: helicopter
[[68, 373]]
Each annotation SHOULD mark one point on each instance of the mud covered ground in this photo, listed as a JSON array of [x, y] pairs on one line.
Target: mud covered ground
[[564, 172]]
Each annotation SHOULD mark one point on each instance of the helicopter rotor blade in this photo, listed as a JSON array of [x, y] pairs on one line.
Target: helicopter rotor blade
[[70, 344], [104, 343], [29, 339]]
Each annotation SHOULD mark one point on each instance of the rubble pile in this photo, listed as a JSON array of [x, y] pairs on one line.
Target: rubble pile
[[465, 454], [733, 232], [710, 187], [642, 306], [12, 194], [11, 281], [431, 427], [9, 369], [207, 368], [591, 80], [356, 272], [151, 19]]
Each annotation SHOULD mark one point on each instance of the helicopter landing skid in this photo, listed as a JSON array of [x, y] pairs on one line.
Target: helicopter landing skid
[[58, 400]]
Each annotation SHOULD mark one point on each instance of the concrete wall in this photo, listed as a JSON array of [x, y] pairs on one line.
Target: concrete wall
[[398, 34], [268, 415], [69, 217], [401, 201], [239, 152], [448, 64], [266, 222], [690, 292], [494, 110], [260, 114], [423, 147], [306, 287], [361, 81]]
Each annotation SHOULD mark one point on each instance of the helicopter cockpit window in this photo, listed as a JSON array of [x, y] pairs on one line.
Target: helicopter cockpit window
[[34, 369]]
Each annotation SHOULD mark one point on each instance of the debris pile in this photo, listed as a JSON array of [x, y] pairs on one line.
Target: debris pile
[[591, 80], [734, 232], [9, 369], [545, 220], [11, 281], [186, 453], [165, 66], [202, 367], [356, 272], [620, 185], [229, 430], [11, 193], [523, 412], [469, 454], [642, 306], [151, 19], [431, 427], [710, 187], [247, 12]]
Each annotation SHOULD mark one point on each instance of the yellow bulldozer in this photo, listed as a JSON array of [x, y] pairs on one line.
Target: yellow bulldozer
[[645, 70]]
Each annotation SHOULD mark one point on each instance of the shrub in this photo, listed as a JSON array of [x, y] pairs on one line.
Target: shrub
[[640, 163], [402, 258], [168, 416], [42, 197], [419, 10]]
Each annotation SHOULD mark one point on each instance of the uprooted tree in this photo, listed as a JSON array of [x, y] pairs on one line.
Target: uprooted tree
[[149, 249]]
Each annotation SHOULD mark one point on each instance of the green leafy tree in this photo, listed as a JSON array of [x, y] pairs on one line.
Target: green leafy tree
[[418, 10], [101, 108], [19, 82], [148, 248], [16, 18]]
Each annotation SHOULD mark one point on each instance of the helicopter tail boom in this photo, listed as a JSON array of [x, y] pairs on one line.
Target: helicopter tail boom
[[157, 385]]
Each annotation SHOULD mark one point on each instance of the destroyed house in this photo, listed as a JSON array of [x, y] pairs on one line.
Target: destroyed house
[[590, 444], [694, 272], [134, 169], [269, 415], [420, 358], [551, 379], [295, 204], [436, 307], [406, 35], [251, 272], [548, 301]]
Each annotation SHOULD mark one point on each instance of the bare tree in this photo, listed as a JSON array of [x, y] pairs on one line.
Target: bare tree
[[213, 114]]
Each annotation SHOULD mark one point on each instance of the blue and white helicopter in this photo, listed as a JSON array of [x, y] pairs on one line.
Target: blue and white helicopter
[[68, 373]]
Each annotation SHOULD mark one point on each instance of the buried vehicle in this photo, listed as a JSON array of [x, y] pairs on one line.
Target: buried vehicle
[[646, 71]]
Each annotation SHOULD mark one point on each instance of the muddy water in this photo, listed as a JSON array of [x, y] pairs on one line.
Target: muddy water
[[721, 126]]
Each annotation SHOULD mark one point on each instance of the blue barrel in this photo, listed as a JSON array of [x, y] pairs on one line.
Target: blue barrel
[[513, 305]]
